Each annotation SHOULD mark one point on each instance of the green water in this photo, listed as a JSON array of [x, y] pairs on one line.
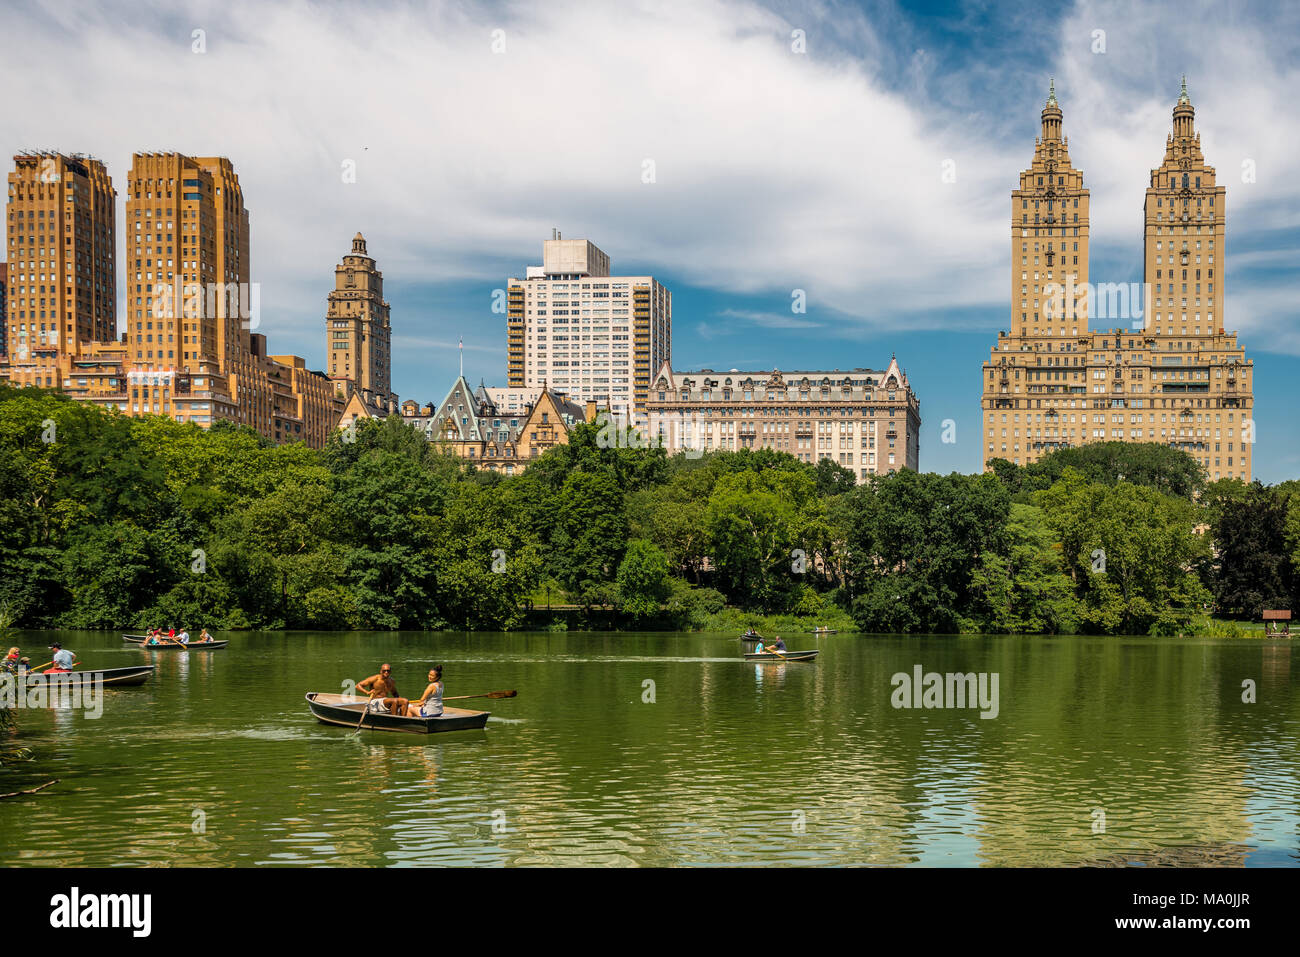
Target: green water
[[217, 761]]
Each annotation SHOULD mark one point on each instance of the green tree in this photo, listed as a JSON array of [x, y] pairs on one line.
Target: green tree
[[588, 533], [483, 561], [913, 542], [764, 528], [643, 579], [1131, 552], [1254, 566], [1025, 590]]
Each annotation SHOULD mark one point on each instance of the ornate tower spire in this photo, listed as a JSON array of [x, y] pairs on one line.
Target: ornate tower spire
[[1184, 114], [1052, 116]]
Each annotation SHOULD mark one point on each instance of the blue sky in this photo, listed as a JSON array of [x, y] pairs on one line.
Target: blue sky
[[476, 128]]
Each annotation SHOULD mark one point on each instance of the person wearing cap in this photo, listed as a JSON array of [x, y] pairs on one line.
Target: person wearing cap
[[63, 660]]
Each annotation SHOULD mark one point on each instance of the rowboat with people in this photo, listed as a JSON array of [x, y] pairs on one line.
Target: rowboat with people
[[108, 677], [346, 711], [167, 644], [825, 631], [776, 656]]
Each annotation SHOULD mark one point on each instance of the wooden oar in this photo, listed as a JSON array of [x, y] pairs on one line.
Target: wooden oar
[[490, 694], [47, 664], [365, 710]]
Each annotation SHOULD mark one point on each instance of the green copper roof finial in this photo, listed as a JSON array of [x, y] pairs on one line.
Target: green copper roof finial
[[1182, 95], [1051, 92]]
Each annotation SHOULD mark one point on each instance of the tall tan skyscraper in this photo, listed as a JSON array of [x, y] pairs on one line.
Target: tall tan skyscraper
[[1049, 236], [1165, 370], [189, 300], [4, 320], [61, 283], [572, 326], [358, 333]]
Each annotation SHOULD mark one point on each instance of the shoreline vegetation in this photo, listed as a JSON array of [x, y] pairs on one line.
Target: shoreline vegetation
[[113, 522]]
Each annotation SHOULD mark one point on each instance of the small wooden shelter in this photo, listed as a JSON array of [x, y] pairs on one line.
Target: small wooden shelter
[[1277, 623]]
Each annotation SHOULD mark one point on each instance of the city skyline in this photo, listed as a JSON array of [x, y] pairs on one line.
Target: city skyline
[[889, 256]]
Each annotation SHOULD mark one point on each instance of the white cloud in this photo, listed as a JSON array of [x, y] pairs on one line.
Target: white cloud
[[774, 170]]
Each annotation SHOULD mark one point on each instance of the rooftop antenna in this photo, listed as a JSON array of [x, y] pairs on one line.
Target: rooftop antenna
[[462, 357]]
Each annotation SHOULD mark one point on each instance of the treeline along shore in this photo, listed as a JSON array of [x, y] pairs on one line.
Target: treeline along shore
[[109, 521]]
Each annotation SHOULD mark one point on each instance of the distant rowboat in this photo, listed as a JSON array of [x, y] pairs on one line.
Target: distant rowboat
[[345, 710], [825, 631], [117, 677], [164, 645], [784, 656]]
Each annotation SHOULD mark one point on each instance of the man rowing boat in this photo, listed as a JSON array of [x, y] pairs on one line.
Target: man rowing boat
[[63, 660], [777, 646], [382, 691]]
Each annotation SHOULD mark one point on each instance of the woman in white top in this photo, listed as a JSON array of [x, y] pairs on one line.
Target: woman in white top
[[430, 703]]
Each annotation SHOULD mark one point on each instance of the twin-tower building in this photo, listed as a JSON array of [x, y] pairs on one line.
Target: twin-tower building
[[1103, 361]]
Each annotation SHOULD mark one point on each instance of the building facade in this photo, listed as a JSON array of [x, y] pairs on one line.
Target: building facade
[[470, 424], [62, 290], [188, 349], [358, 333], [574, 327], [4, 320], [868, 421], [1084, 362]]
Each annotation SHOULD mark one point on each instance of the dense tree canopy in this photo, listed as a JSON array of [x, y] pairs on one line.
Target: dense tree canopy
[[108, 521]]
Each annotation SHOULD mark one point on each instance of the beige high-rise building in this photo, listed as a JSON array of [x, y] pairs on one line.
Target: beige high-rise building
[[359, 336], [4, 320], [573, 327], [188, 349], [1164, 369], [189, 301], [62, 289], [867, 421]]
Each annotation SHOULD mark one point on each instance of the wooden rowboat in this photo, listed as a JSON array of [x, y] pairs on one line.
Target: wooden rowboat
[[752, 638], [825, 631], [345, 710], [175, 645], [116, 677], [784, 656]]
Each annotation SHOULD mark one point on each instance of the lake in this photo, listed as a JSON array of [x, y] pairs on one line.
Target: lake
[[671, 750]]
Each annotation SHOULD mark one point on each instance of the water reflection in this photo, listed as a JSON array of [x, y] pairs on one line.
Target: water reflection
[[1105, 751]]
